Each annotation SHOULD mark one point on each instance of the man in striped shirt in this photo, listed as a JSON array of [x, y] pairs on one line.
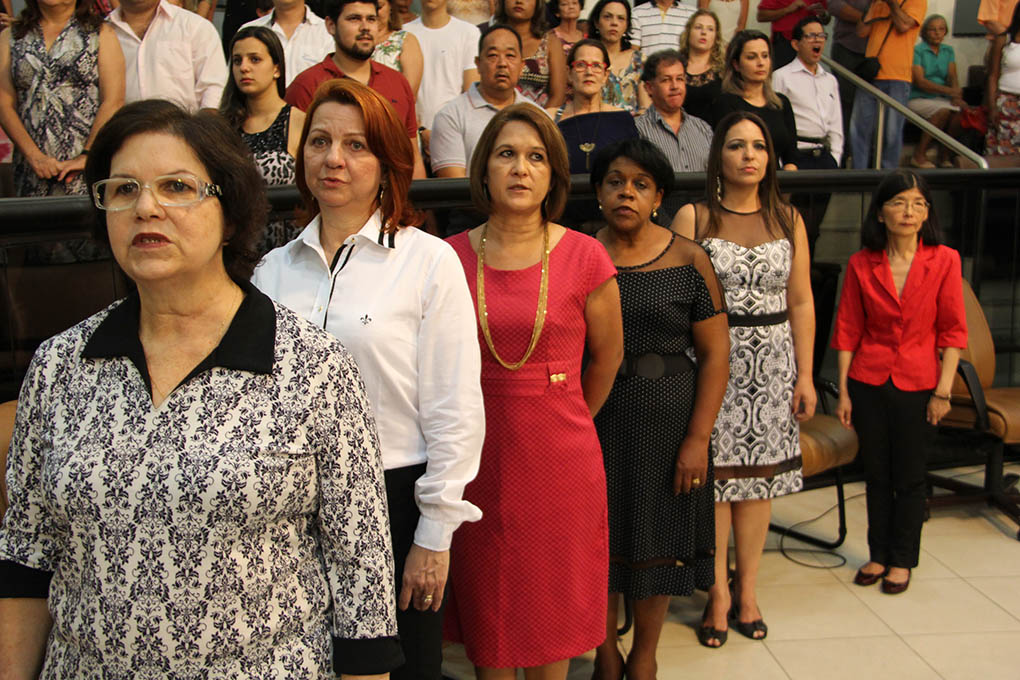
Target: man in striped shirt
[[657, 24]]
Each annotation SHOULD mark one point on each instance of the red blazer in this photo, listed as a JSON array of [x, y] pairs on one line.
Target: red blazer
[[896, 337]]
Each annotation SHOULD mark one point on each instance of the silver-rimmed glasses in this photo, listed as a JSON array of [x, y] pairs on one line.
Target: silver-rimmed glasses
[[171, 191]]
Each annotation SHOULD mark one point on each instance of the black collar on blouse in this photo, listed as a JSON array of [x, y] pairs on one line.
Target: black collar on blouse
[[248, 345]]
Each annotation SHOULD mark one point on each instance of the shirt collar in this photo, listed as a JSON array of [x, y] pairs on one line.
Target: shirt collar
[[334, 70], [164, 8], [371, 233], [248, 345], [657, 118], [310, 18], [474, 95], [798, 65]]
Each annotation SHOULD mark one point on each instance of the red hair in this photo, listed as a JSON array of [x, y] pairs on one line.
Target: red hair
[[387, 139]]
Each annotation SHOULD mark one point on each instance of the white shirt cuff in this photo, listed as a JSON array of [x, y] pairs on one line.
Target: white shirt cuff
[[434, 534]]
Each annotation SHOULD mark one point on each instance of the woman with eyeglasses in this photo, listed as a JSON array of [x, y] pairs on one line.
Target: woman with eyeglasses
[[586, 121], [899, 330], [610, 22], [194, 477]]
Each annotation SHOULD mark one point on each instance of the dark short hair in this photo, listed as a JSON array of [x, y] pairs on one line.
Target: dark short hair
[[331, 9], [499, 27], [555, 147], [587, 42], [642, 152], [234, 103], [554, 7], [798, 30], [593, 21], [221, 152], [539, 23], [873, 233], [650, 71]]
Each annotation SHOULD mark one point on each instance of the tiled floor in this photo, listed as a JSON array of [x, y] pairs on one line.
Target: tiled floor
[[960, 619]]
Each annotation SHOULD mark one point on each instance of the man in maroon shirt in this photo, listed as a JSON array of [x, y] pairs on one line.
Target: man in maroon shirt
[[784, 15], [352, 23]]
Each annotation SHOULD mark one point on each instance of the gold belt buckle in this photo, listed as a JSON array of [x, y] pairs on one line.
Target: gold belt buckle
[[557, 377]]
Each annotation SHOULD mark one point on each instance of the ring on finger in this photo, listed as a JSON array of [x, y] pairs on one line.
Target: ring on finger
[[427, 599]]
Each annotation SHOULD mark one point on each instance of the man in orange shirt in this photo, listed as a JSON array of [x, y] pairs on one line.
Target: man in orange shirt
[[892, 27]]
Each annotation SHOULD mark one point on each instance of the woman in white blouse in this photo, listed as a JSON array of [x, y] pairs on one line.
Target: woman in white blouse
[[397, 299]]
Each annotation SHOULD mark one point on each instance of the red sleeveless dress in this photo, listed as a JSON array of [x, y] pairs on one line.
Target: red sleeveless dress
[[529, 581]]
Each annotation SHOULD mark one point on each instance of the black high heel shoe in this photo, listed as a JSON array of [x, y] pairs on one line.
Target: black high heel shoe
[[708, 633], [748, 630]]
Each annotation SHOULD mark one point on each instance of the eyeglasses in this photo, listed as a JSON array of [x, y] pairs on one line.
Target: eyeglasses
[[580, 66], [816, 36], [171, 191], [899, 204]]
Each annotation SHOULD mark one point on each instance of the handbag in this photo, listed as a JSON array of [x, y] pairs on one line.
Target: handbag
[[868, 69]]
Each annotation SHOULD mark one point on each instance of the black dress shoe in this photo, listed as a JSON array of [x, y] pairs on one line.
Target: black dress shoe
[[865, 579], [895, 587]]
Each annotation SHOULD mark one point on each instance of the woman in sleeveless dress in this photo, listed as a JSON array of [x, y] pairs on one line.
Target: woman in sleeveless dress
[[253, 105], [61, 78], [610, 22], [543, 77], [759, 248], [528, 582], [397, 48], [654, 433]]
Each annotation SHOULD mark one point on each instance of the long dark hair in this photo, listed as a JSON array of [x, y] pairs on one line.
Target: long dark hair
[[733, 82], [234, 103], [85, 11], [873, 233], [593, 22], [539, 22], [777, 214]]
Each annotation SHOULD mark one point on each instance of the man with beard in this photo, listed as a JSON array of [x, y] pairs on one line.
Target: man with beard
[[352, 23]]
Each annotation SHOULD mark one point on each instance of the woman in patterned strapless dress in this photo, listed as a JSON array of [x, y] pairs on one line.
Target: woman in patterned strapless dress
[[759, 248], [253, 105]]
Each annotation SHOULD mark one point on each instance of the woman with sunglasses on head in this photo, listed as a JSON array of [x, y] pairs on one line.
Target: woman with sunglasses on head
[[586, 121], [194, 477], [899, 330], [610, 23], [759, 248], [253, 105]]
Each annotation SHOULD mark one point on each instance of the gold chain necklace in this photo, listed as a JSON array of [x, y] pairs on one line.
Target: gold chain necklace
[[543, 297]]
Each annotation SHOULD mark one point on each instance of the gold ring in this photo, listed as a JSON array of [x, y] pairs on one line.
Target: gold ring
[[696, 481], [427, 599]]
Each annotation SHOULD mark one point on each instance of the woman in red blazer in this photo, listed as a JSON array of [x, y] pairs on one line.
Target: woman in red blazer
[[901, 307]]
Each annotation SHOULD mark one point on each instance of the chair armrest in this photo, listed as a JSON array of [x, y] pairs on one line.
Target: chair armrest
[[824, 386], [967, 371]]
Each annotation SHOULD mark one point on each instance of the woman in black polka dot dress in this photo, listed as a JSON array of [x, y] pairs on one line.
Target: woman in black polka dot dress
[[654, 435]]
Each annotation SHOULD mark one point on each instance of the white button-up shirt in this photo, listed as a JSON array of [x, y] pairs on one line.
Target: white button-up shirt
[[400, 304], [815, 100], [179, 58], [307, 45]]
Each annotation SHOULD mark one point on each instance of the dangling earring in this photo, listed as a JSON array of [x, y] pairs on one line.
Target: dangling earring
[[718, 188], [655, 213]]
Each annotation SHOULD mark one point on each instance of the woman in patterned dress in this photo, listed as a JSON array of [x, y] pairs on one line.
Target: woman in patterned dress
[[1003, 92], [702, 45], [568, 31], [610, 22], [253, 104], [759, 248], [61, 78], [396, 48], [528, 583], [654, 434], [544, 76], [195, 481]]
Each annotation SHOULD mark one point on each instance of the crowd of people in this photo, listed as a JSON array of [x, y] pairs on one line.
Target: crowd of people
[[230, 473]]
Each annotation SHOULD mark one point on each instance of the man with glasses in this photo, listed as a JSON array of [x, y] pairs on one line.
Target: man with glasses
[[784, 15], [814, 95]]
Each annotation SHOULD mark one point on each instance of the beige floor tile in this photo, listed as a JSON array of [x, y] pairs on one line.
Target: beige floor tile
[[682, 619], [1003, 590], [938, 606], [979, 554], [816, 611], [856, 553], [974, 656], [732, 661], [851, 659]]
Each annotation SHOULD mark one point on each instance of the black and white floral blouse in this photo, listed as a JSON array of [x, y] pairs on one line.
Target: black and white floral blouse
[[229, 532]]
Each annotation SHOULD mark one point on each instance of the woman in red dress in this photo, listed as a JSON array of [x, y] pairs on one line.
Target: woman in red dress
[[529, 581]]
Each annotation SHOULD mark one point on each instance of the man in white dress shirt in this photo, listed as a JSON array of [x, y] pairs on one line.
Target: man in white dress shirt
[[301, 32], [814, 94], [169, 53]]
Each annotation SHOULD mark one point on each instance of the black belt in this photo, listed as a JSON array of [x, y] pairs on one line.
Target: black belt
[[822, 148], [653, 366], [757, 319]]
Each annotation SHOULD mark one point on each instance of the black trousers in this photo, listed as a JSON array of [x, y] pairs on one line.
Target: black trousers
[[421, 633], [812, 206], [851, 60], [895, 439]]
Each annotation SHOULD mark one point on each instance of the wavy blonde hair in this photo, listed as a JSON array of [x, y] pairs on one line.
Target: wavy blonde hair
[[715, 55]]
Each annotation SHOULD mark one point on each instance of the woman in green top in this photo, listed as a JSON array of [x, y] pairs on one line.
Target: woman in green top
[[936, 93]]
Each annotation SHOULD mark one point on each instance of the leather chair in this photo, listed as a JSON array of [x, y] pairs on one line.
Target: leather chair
[[7, 411], [991, 413]]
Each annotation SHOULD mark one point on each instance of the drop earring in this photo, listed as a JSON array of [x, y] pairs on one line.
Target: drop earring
[[718, 188]]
